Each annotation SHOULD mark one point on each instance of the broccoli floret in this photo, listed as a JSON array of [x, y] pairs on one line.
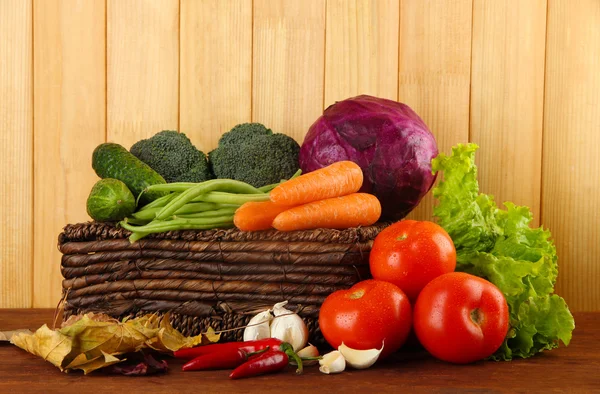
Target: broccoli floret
[[252, 153], [173, 156], [243, 132]]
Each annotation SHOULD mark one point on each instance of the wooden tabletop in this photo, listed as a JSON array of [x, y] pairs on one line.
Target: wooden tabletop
[[569, 369]]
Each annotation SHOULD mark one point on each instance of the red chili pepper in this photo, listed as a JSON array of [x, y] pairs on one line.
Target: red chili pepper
[[229, 358], [269, 362], [248, 347]]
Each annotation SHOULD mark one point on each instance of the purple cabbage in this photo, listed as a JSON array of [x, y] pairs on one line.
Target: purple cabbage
[[387, 139]]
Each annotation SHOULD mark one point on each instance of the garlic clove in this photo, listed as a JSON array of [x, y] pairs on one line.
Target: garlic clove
[[258, 326], [289, 327], [332, 362], [309, 351], [359, 359]]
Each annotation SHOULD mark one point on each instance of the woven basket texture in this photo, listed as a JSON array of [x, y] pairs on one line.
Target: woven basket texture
[[218, 278]]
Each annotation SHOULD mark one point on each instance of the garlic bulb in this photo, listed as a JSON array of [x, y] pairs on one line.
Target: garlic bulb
[[359, 359], [258, 326], [288, 327], [332, 362]]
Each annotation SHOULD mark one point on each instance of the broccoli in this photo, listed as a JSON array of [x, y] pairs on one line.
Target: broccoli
[[252, 153], [173, 156]]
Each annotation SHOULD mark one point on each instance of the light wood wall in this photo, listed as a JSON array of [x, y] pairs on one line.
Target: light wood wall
[[519, 77]]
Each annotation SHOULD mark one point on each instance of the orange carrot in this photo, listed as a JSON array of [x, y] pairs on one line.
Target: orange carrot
[[358, 209], [338, 179], [254, 216]]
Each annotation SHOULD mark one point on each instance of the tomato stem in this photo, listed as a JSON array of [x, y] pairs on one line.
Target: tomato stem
[[357, 294], [476, 316]]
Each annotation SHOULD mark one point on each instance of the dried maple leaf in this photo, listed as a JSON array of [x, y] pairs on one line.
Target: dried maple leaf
[[52, 346], [93, 341], [170, 339], [7, 335]]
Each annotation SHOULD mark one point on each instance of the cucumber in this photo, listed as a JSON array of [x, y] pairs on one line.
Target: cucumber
[[111, 160], [110, 200]]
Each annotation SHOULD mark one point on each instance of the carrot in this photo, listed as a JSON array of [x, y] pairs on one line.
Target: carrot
[[358, 209], [336, 180], [254, 216]]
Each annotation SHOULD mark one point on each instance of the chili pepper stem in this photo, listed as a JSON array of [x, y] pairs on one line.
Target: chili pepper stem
[[287, 349]]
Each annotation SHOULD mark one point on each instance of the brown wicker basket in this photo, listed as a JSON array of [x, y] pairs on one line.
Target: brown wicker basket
[[216, 278]]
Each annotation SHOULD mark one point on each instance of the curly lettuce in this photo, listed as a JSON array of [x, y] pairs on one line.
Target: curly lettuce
[[498, 244]]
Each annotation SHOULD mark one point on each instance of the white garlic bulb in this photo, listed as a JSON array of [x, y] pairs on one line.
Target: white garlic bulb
[[258, 327], [289, 327]]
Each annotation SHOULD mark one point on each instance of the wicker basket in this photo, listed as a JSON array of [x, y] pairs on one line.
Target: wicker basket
[[216, 278]]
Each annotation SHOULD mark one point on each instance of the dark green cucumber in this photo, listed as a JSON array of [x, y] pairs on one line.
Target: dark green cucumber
[[110, 200], [111, 160]]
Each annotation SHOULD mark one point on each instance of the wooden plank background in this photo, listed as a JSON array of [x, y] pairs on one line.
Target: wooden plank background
[[521, 78]]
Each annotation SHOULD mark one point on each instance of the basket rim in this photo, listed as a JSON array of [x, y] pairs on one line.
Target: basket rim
[[99, 231]]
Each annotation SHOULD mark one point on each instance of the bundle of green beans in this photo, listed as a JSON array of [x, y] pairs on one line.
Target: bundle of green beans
[[194, 206]]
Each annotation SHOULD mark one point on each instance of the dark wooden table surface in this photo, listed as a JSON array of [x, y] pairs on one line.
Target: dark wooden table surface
[[569, 369]]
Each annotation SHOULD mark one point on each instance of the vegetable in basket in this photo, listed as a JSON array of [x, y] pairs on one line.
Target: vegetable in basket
[[251, 153], [111, 160], [387, 139], [173, 156], [193, 206], [110, 200]]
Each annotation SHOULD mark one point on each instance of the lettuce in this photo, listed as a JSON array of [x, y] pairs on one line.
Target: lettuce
[[498, 244]]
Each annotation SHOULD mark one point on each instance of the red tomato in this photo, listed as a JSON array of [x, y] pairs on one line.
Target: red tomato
[[368, 314], [410, 254], [461, 318]]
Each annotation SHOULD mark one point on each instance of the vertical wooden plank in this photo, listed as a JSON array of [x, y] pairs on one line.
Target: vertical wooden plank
[[70, 114], [288, 64], [571, 163], [216, 68], [435, 64], [16, 160], [507, 96], [143, 68], [361, 54]]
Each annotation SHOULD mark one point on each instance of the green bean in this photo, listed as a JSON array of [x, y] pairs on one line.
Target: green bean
[[171, 187], [139, 221], [136, 236], [150, 214], [207, 214], [202, 188], [159, 202], [268, 188], [177, 224], [233, 186], [230, 198]]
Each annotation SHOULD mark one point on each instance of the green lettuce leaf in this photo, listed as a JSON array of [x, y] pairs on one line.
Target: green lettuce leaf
[[498, 244]]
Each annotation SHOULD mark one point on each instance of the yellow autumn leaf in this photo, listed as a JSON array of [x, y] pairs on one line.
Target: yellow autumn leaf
[[170, 339], [93, 337], [52, 346], [93, 341], [7, 335], [81, 362]]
